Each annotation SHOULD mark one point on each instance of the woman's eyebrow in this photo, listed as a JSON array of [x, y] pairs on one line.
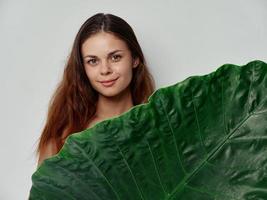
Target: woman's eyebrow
[[112, 52]]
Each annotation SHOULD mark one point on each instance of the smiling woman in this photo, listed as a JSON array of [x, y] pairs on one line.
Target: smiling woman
[[106, 74], [110, 73]]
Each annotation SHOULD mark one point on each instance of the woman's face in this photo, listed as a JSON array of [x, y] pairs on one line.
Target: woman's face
[[106, 58]]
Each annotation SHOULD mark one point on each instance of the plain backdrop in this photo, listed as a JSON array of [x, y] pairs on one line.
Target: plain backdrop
[[179, 38]]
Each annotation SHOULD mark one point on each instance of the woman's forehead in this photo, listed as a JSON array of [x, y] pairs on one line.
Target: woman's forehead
[[105, 40], [103, 44]]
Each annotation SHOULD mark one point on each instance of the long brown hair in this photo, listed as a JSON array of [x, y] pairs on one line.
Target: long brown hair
[[73, 103]]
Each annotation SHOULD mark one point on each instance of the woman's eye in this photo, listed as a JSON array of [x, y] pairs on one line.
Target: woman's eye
[[116, 56], [93, 61], [90, 61]]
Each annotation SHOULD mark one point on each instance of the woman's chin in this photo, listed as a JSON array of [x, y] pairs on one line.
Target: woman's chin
[[109, 93]]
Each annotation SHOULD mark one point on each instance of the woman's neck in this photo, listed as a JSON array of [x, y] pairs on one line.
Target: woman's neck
[[108, 107]]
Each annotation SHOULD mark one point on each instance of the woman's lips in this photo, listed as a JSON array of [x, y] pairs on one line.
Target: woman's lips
[[108, 83]]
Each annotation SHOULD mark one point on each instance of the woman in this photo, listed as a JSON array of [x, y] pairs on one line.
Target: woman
[[105, 75]]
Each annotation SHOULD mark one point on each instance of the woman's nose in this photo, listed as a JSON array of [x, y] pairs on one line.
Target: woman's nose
[[105, 67]]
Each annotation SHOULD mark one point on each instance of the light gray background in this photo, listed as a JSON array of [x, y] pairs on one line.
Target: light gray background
[[180, 38]]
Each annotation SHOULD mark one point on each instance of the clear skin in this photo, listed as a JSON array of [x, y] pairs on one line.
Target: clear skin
[[100, 65]]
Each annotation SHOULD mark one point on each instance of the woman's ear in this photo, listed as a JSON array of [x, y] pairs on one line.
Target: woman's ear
[[136, 62]]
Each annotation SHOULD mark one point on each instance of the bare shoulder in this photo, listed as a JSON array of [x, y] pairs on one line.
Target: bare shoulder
[[94, 121], [47, 152]]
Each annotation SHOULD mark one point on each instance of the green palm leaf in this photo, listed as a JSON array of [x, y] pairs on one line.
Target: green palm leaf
[[202, 138]]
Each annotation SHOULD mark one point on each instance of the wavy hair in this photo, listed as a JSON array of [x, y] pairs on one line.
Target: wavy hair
[[73, 102]]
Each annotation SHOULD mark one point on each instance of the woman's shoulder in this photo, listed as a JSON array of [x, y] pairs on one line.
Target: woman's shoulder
[[47, 152], [50, 148], [94, 120]]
